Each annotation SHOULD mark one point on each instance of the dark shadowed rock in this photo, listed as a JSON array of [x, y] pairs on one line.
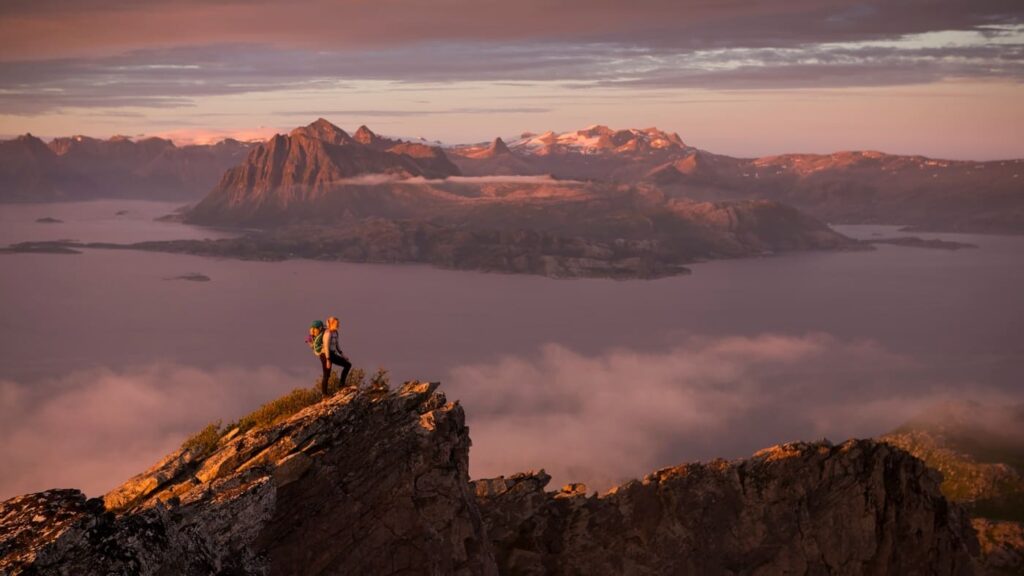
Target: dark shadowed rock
[[365, 483], [376, 482], [857, 508]]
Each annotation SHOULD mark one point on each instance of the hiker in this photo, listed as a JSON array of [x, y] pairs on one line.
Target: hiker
[[334, 353]]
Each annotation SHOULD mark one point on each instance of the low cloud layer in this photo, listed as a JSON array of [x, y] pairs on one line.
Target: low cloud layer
[[599, 419], [604, 419], [93, 429], [379, 179]]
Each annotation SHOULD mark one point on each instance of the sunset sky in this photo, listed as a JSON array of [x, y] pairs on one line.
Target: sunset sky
[[940, 78]]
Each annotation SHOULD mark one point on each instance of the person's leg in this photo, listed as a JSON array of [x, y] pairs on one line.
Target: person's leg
[[346, 366], [327, 375]]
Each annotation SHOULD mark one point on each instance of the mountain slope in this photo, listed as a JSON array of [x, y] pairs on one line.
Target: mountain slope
[[27, 170], [980, 452], [82, 168], [376, 482]]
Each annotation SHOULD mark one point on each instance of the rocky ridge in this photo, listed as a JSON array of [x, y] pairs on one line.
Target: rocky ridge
[[376, 482], [979, 451]]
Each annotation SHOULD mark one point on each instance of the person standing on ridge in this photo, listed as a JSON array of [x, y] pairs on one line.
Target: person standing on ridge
[[334, 355]]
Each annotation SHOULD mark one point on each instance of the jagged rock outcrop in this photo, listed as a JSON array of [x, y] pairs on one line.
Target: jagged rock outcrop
[[376, 482], [857, 508], [1002, 546], [316, 168], [979, 450], [365, 483]]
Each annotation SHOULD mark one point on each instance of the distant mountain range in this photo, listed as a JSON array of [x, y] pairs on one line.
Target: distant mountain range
[[594, 202], [325, 194], [859, 187], [316, 161], [83, 168]]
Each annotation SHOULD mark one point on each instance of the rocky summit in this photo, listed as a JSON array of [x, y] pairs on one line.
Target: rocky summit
[[377, 482]]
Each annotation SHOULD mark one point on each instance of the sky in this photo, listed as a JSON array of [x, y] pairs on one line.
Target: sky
[[935, 77]]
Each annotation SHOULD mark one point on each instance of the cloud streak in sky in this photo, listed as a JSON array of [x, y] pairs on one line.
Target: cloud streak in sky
[[41, 28], [174, 77], [314, 45]]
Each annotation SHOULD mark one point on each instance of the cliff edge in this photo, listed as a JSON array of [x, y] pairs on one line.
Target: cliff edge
[[377, 482]]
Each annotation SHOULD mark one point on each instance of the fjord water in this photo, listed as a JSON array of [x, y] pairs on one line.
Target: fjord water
[[110, 357]]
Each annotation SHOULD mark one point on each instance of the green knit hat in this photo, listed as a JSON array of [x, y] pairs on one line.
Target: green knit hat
[[318, 324]]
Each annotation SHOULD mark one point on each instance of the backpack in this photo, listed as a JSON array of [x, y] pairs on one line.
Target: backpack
[[316, 341], [317, 344]]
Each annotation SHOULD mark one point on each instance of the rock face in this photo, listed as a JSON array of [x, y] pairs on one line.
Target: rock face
[[361, 484], [313, 165], [1002, 546], [856, 508], [376, 482], [980, 452]]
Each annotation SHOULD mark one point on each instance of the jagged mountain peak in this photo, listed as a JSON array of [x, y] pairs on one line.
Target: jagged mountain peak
[[321, 129], [498, 147], [364, 135]]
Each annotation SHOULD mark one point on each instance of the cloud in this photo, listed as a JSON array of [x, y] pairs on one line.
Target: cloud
[[607, 418], [48, 28], [599, 418], [405, 113], [647, 45], [184, 136], [177, 77], [93, 429]]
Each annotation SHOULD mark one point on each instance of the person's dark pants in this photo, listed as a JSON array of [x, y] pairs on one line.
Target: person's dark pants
[[346, 366], [338, 361]]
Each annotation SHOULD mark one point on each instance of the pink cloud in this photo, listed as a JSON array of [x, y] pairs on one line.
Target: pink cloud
[[606, 418]]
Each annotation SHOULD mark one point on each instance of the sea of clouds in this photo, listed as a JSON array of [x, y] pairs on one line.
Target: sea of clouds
[[599, 419]]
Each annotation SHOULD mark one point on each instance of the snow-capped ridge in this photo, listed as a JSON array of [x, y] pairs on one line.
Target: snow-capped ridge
[[598, 139]]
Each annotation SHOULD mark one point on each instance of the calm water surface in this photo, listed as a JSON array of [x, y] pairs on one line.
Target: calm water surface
[[958, 316]]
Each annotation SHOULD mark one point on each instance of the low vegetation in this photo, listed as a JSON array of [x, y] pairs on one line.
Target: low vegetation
[[982, 475], [204, 442]]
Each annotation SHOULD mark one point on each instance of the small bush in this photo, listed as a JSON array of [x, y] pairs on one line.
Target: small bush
[[380, 379], [279, 409], [204, 442]]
